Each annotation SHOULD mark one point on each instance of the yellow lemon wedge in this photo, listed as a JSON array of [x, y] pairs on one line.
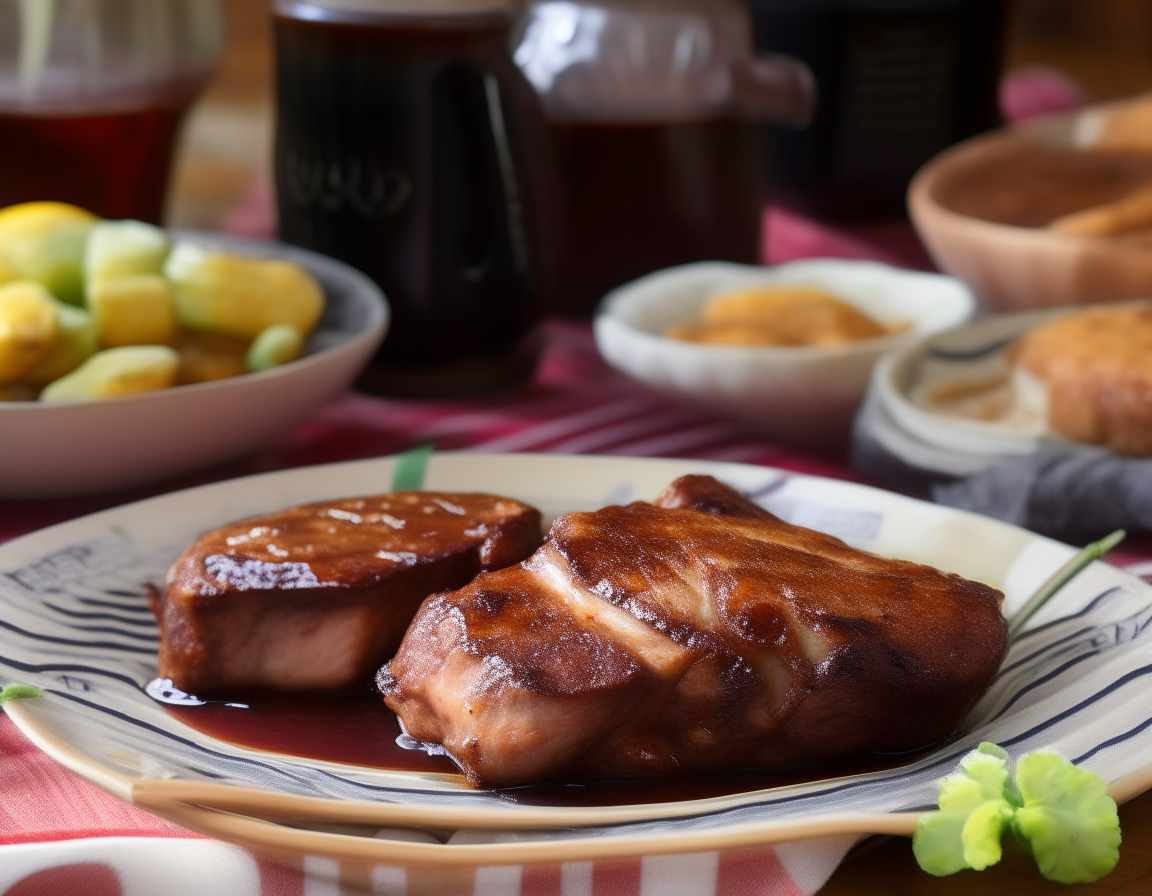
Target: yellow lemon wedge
[[27, 328]]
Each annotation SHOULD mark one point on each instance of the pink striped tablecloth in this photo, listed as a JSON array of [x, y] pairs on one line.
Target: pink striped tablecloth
[[59, 834]]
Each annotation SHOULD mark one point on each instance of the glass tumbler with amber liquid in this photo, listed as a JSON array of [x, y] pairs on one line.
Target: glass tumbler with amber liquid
[[409, 145], [655, 110], [92, 95]]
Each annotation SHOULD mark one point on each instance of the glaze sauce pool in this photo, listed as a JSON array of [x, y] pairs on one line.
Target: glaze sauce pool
[[354, 728], [360, 730]]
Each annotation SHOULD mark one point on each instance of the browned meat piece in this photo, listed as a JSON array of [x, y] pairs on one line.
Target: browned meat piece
[[706, 494], [317, 597], [651, 639]]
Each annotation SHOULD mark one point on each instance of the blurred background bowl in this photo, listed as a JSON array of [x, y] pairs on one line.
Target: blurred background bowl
[[798, 395], [77, 448], [980, 209], [900, 439]]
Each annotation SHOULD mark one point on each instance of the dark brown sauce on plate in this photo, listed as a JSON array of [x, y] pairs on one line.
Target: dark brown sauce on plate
[[359, 729]]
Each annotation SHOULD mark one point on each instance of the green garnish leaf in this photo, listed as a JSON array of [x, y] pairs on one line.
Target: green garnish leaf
[[1067, 819], [967, 830], [18, 692], [1062, 816], [408, 474]]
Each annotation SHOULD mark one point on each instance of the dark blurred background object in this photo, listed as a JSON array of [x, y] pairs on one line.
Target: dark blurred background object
[[408, 144], [899, 80], [222, 171], [655, 112]]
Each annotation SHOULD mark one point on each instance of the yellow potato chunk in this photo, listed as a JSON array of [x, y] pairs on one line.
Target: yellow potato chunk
[[76, 341], [135, 309], [276, 345], [7, 271], [27, 328], [119, 248], [115, 372], [223, 293], [209, 356], [45, 242], [779, 315]]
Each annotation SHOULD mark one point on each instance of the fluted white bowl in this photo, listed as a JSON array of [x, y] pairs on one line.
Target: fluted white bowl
[[798, 395]]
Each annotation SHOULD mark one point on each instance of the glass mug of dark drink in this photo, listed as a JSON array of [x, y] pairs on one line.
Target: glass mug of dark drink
[[409, 145], [92, 94], [655, 110], [900, 80]]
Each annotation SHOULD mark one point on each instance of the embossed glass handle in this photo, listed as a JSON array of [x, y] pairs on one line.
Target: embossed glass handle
[[774, 88]]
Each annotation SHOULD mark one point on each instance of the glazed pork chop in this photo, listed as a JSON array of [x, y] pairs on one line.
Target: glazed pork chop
[[697, 633], [316, 597]]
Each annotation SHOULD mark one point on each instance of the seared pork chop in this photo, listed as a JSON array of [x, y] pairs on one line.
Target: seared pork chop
[[317, 597], [697, 633]]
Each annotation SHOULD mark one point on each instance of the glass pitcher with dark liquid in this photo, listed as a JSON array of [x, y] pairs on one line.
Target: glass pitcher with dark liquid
[[408, 145], [655, 111]]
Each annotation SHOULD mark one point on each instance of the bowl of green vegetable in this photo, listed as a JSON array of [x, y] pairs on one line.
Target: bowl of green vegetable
[[129, 355]]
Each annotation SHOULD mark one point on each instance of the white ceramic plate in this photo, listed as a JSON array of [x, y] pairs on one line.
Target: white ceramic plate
[[798, 394], [74, 622], [74, 448]]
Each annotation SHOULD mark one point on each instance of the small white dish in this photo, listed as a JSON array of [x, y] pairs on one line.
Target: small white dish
[[974, 353], [931, 440], [796, 394], [77, 448]]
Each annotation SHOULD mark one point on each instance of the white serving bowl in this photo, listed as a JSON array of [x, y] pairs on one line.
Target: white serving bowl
[[801, 395], [77, 448]]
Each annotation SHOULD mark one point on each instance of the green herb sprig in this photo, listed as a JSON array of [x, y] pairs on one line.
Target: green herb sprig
[[1061, 577], [410, 468], [18, 692]]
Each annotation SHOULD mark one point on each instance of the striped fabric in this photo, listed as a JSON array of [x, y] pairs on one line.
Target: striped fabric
[[126, 866], [56, 829]]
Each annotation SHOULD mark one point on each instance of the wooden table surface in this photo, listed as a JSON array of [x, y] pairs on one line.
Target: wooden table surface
[[889, 869]]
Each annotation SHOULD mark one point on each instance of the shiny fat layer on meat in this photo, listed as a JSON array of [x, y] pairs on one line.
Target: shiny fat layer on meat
[[706, 634]]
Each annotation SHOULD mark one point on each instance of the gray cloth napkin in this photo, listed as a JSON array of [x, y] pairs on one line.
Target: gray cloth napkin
[[1074, 494], [888, 454]]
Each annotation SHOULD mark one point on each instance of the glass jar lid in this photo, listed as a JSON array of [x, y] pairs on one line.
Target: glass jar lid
[[352, 10]]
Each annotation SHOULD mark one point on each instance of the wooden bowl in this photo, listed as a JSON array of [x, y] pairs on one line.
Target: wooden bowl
[[982, 206]]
